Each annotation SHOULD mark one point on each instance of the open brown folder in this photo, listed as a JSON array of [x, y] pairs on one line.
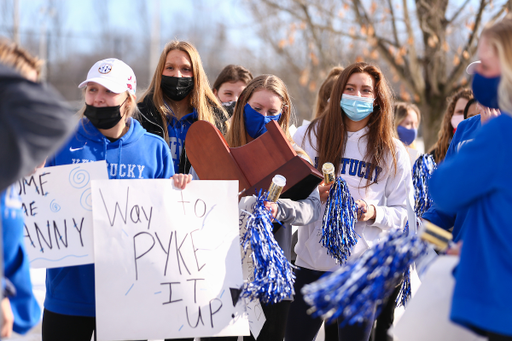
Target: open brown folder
[[253, 165]]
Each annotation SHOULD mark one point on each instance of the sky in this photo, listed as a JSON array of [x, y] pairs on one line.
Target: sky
[[84, 21]]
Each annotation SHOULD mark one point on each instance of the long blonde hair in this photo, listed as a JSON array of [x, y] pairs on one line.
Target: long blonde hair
[[499, 37], [237, 134], [330, 128], [201, 97]]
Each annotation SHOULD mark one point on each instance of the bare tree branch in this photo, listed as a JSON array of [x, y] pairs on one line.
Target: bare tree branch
[[470, 45], [414, 67], [458, 12], [393, 22]]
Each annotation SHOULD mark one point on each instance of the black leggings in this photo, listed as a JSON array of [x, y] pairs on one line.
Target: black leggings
[[273, 329], [303, 327], [58, 327]]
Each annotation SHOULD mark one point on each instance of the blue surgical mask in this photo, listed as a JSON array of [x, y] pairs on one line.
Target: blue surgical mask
[[255, 122], [356, 108], [407, 136], [485, 90]]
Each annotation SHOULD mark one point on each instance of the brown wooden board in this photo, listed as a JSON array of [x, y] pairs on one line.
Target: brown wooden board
[[253, 164]]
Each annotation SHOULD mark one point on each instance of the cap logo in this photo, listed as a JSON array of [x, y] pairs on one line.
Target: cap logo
[[105, 68]]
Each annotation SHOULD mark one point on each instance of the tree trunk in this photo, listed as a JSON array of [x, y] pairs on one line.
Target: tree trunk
[[432, 113]]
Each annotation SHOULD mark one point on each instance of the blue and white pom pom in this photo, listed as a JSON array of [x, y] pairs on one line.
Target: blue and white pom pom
[[273, 274], [422, 170], [338, 222], [353, 291]]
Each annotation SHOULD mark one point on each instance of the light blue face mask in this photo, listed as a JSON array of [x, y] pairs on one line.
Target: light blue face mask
[[356, 108]]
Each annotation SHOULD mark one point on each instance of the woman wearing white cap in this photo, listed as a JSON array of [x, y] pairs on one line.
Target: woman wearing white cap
[[107, 132]]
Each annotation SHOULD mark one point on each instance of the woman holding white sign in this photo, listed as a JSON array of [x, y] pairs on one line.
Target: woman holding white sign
[[106, 132]]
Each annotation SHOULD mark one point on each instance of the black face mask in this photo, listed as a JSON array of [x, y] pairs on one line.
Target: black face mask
[[176, 88], [103, 117]]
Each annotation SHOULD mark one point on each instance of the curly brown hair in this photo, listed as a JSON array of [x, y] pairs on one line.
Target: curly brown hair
[[445, 134]]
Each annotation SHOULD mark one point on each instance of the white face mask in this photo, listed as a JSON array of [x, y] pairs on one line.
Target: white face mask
[[456, 119]]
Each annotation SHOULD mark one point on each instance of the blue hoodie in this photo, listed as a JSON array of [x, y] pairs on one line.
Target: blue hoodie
[[136, 155], [466, 131], [477, 180], [177, 132], [24, 305]]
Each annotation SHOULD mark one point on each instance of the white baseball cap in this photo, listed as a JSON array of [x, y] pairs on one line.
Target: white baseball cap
[[113, 74]]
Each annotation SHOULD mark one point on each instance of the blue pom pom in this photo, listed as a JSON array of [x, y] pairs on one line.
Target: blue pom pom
[[338, 222], [273, 274], [422, 170], [405, 291], [353, 291]]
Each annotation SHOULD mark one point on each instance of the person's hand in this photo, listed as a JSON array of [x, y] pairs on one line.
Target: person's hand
[[8, 318], [455, 250], [272, 207], [324, 191], [181, 180], [365, 212], [487, 113]]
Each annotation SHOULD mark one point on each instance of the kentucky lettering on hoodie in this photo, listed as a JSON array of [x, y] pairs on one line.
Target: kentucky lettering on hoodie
[[388, 192], [136, 155]]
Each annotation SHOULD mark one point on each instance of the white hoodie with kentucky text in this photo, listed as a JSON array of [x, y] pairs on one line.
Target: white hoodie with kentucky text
[[388, 192]]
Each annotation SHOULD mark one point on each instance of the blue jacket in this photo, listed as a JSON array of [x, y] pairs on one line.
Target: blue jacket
[[24, 305], [477, 180], [465, 133], [177, 132], [136, 155]]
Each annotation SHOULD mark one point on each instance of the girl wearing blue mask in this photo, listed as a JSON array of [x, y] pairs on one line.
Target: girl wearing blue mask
[[481, 298], [106, 132], [264, 99], [356, 134], [407, 121]]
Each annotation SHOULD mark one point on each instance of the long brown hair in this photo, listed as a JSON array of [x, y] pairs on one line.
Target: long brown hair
[[330, 127], [325, 90], [201, 98], [445, 134]]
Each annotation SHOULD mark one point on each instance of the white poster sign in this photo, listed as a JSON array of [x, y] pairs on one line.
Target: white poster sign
[[58, 214], [427, 316], [167, 261]]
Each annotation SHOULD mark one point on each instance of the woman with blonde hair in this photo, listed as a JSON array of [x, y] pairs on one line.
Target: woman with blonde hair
[[481, 299], [407, 120], [264, 99], [453, 116], [355, 133], [179, 94]]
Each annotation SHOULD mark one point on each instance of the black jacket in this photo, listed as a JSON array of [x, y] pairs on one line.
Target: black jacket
[[34, 122], [152, 121]]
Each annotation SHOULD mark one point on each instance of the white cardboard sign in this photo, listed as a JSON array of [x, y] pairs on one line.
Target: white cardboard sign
[[427, 316], [167, 261], [58, 214]]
